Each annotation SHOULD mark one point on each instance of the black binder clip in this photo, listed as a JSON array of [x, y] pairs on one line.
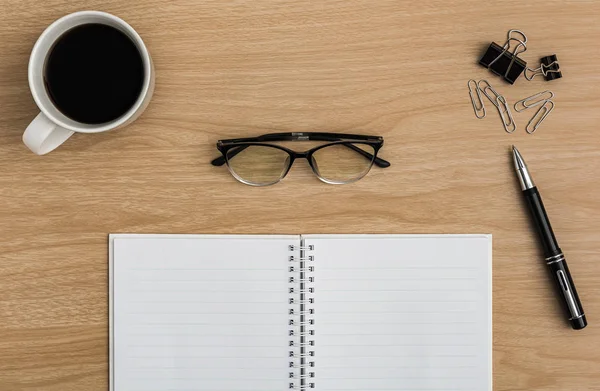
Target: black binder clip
[[549, 68], [503, 62]]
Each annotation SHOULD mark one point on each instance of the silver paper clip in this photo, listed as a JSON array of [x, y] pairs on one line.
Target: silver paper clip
[[545, 110], [501, 104], [476, 100], [484, 90], [510, 125], [533, 100]]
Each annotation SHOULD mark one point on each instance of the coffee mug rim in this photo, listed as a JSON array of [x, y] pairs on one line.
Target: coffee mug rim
[[100, 127]]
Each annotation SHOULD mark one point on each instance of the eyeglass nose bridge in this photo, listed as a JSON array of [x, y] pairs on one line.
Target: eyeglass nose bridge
[[302, 155], [294, 155]]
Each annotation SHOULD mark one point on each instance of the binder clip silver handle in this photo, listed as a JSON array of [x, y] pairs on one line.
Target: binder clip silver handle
[[549, 68]]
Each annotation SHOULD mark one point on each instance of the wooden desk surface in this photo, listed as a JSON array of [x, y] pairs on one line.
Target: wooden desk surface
[[227, 69]]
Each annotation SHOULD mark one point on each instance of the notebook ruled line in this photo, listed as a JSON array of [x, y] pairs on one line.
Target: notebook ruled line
[[374, 267], [176, 269], [410, 355], [192, 356]]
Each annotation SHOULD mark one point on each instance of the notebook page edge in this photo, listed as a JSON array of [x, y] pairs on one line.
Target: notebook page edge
[[490, 313], [394, 236], [113, 236], [111, 239]]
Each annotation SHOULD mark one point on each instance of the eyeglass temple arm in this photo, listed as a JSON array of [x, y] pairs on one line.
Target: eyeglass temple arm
[[379, 162], [234, 151]]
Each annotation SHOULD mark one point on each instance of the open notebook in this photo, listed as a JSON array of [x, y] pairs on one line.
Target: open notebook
[[310, 312]]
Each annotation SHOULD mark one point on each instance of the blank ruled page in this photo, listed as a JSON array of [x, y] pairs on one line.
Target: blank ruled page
[[195, 313], [402, 313]]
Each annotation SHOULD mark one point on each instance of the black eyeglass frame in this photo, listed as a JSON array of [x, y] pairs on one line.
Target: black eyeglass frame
[[231, 147]]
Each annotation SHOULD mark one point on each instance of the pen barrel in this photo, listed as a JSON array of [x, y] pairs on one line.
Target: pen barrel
[[541, 222], [555, 259], [566, 289]]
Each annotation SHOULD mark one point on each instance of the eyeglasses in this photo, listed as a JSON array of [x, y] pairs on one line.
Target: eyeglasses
[[343, 159]]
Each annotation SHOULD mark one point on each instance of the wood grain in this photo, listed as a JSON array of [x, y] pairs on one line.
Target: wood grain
[[241, 68]]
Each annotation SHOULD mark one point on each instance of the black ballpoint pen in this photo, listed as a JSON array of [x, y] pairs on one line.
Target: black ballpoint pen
[[555, 258]]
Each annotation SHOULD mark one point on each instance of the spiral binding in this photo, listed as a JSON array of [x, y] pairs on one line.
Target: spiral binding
[[302, 320]]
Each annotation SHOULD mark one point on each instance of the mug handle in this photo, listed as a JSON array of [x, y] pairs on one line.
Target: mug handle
[[43, 135]]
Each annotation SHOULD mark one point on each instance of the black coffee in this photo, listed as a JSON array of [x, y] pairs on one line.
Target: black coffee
[[94, 73]]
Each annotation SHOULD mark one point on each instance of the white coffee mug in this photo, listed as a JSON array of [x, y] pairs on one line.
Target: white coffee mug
[[51, 128]]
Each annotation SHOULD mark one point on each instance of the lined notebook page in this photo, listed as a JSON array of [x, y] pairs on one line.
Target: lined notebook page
[[194, 313], [402, 313]]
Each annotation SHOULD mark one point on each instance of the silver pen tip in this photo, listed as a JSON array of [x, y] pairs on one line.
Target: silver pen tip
[[522, 172], [518, 159]]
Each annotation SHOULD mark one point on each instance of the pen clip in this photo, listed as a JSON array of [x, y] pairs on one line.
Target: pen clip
[[568, 293]]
